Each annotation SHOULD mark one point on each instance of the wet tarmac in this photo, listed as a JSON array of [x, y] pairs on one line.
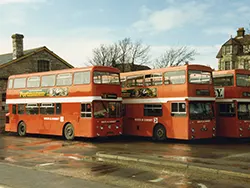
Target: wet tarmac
[[77, 159]]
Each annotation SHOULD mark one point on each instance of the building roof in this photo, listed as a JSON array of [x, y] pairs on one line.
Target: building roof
[[7, 59], [240, 41]]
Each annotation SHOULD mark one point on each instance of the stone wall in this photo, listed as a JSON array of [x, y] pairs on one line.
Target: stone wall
[[27, 65]]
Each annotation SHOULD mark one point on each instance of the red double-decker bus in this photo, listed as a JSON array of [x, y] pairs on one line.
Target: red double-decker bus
[[174, 102], [81, 102], [232, 89]]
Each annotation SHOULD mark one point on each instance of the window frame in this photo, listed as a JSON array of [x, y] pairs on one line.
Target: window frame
[[153, 79], [178, 113], [47, 105], [148, 110], [29, 105], [24, 109], [185, 77], [27, 80], [134, 78], [226, 114], [67, 79], [12, 83], [48, 76], [42, 65], [85, 112], [201, 72], [74, 75]]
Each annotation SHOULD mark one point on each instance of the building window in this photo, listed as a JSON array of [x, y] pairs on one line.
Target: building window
[[86, 110], [178, 109], [43, 65], [228, 49], [227, 65], [152, 110]]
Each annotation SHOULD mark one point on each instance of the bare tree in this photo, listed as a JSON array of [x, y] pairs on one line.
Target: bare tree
[[124, 54], [175, 57]]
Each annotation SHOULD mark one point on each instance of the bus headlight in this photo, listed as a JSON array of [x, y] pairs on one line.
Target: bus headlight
[[240, 129], [214, 128], [101, 127], [193, 130], [117, 127]]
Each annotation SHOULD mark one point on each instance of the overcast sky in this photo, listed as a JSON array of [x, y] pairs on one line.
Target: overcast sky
[[72, 28]]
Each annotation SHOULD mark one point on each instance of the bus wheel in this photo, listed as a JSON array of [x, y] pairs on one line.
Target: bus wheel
[[21, 130], [68, 132], [159, 133]]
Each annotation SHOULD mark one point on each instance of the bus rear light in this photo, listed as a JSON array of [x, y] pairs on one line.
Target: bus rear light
[[193, 130], [240, 129]]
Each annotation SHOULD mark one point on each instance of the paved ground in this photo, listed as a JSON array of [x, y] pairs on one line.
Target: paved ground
[[55, 158]]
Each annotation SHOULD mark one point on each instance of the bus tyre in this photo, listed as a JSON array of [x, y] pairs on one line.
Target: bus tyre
[[68, 132], [159, 133], [21, 130]]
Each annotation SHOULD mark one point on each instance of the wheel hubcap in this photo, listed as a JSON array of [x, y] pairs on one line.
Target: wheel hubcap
[[69, 132], [160, 132]]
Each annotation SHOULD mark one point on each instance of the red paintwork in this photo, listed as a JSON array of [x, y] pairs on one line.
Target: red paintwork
[[84, 127], [230, 126], [177, 127]]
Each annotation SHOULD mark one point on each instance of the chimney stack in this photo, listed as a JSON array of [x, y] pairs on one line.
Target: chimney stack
[[241, 32], [17, 43]]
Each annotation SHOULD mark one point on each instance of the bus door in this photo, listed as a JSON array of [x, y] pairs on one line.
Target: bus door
[[32, 118], [85, 120]]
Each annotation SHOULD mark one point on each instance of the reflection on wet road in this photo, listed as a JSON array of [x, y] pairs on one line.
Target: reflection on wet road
[[77, 159]]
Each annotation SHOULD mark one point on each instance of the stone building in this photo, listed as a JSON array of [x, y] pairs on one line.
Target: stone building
[[25, 61], [235, 53]]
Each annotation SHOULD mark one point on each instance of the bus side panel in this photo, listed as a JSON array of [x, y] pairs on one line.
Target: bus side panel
[[71, 114], [135, 123], [33, 123]]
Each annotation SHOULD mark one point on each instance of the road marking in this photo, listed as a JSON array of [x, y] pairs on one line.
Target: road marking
[[202, 185], [156, 180], [45, 164], [75, 158]]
